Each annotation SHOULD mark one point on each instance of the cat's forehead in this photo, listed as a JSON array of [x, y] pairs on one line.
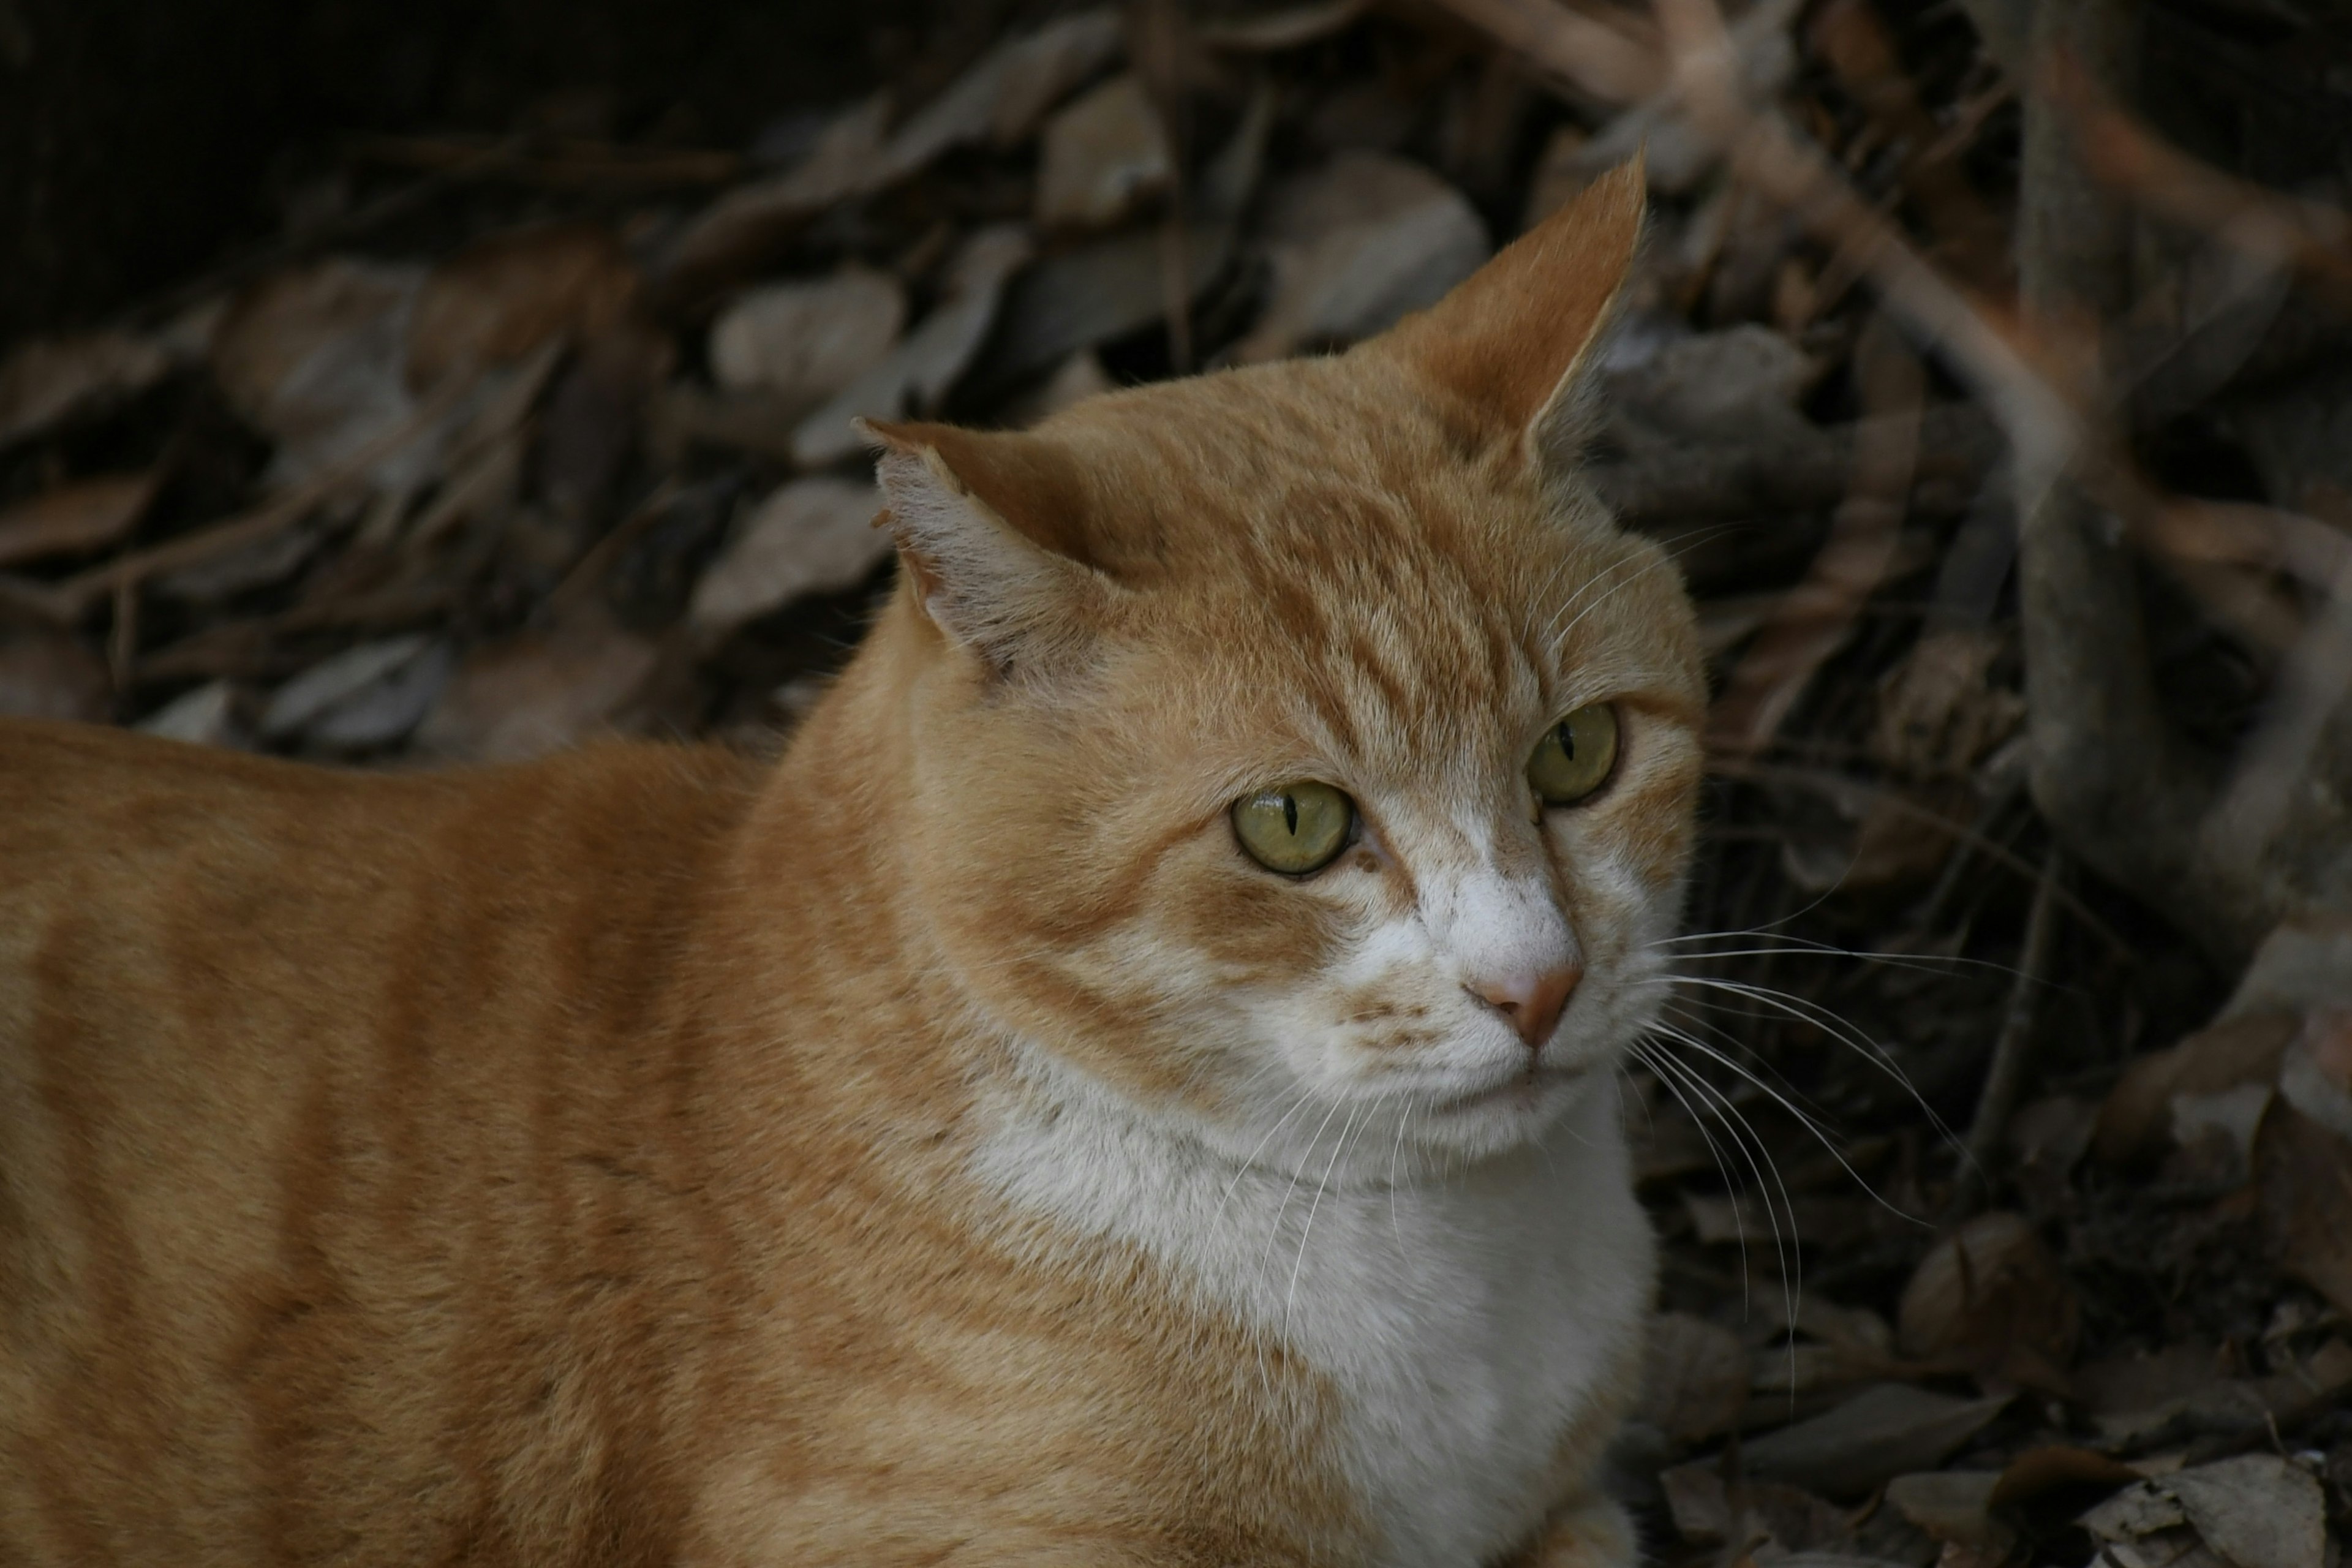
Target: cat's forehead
[[1311, 562]]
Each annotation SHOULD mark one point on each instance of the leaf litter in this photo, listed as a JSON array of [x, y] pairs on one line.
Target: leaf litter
[[572, 461]]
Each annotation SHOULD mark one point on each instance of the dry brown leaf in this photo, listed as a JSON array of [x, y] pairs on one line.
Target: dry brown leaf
[[1355, 245], [1104, 155], [87, 514], [2257, 1510], [49, 675], [1736, 384], [918, 374], [498, 300], [1886, 1431], [2129, 1387], [740, 227], [814, 536], [49, 382], [1992, 1296], [803, 342], [1002, 98], [539, 692], [2137, 1117], [1953, 1506], [1118, 284], [362, 697], [1693, 1378], [210, 715], [1789, 1521], [1266, 32], [1820, 612], [2305, 1175], [315, 359], [1938, 713]]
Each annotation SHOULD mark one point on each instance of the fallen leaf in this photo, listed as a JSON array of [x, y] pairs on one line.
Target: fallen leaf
[[1693, 1378], [1882, 1433], [747, 223], [1080, 297], [498, 300], [918, 373], [50, 382], [1738, 382], [2315, 1074], [590, 423], [87, 514], [2256, 1511], [1355, 245], [1866, 535], [2060, 1469], [315, 358], [1266, 32], [2213, 1134], [1993, 1296], [1952, 1505], [2304, 962], [1103, 155], [1939, 713], [1117, 285], [802, 342], [2131, 1386], [2137, 1115], [263, 562], [813, 536], [1709, 1512], [1676, 154], [539, 692], [207, 716], [1001, 99], [48, 675], [362, 697], [2304, 1175], [1792, 1369]]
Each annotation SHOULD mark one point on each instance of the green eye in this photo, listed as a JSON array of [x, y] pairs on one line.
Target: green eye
[[1294, 828], [1575, 756]]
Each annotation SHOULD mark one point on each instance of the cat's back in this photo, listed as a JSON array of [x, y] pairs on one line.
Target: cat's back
[[288, 1055]]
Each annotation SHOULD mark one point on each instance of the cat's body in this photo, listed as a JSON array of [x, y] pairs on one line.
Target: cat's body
[[944, 1145]]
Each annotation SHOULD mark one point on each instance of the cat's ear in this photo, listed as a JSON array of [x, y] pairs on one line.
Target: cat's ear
[[990, 529], [1511, 350]]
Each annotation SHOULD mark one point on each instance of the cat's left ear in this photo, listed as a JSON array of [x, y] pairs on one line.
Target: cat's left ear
[[1511, 350], [990, 530]]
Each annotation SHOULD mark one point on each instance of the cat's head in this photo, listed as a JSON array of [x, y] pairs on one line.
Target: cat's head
[[1303, 745]]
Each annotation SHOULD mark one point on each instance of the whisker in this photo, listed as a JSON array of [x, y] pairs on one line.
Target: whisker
[[1290, 1294], [1821, 1134], [1758, 1157], [1643, 1052], [1806, 1010]]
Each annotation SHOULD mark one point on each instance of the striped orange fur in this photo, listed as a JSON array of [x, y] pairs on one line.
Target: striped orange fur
[[941, 1146]]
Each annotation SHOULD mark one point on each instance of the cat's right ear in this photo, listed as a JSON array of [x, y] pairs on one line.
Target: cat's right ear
[[1511, 350], [990, 532]]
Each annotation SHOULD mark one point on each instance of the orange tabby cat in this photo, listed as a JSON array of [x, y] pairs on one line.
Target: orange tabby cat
[[1133, 1085]]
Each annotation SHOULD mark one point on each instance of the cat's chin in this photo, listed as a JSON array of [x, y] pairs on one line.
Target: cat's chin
[[1496, 1117]]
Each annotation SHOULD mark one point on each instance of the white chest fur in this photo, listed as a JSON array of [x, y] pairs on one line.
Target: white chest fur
[[1464, 1323]]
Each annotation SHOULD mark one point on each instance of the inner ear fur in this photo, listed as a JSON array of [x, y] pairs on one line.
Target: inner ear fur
[[1511, 349], [989, 527]]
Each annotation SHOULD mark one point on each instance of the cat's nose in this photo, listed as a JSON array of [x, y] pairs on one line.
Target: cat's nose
[[1531, 1002]]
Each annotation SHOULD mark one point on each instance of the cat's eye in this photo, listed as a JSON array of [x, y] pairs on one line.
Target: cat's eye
[[1294, 829], [1575, 756]]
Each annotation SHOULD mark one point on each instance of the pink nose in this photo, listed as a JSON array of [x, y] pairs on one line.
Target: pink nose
[[1531, 1002]]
